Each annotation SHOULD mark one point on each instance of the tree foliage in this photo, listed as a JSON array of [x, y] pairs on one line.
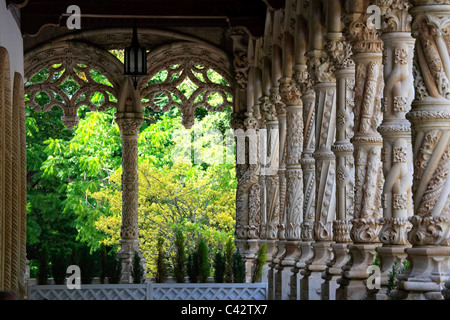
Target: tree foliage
[[74, 180]]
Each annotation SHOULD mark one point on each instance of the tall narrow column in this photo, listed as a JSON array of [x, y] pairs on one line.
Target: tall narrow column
[[308, 163], [396, 131], [294, 175], [367, 48], [271, 174], [129, 124], [324, 84], [429, 256], [340, 52]]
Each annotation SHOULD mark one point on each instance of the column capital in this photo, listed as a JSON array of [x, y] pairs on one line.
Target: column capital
[[129, 123], [395, 16], [277, 101], [362, 38], [267, 109], [320, 67], [290, 92], [340, 52]]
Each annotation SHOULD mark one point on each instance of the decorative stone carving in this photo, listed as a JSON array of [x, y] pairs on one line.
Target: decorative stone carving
[[185, 62], [429, 235], [129, 129], [367, 50], [73, 61], [291, 96], [395, 129]]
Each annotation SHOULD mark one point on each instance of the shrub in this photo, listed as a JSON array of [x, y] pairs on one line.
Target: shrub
[[259, 263], [114, 270], [203, 261], [179, 261], [86, 262], [219, 268], [238, 267], [43, 270], [137, 271], [228, 257], [59, 267], [161, 262], [192, 267]]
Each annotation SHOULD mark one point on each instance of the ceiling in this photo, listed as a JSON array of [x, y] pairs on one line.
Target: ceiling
[[208, 20]]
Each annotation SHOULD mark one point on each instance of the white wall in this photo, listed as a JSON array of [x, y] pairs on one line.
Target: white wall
[[11, 39]]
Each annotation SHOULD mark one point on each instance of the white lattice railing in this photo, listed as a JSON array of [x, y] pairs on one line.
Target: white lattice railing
[[152, 291]]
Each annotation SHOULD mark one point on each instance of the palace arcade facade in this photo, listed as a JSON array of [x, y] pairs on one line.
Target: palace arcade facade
[[354, 98]]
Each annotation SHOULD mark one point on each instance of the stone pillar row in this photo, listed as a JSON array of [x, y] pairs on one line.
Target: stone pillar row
[[363, 168]]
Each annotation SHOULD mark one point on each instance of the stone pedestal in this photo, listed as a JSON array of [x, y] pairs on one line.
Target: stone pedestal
[[425, 279], [311, 282], [306, 254], [389, 257], [353, 283], [334, 270], [283, 270]]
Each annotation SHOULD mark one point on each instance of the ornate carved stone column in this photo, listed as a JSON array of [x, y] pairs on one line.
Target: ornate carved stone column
[[367, 54], [129, 124], [294, 175], [340, 52], [268, 112], [430, 118], [396, 131], [324, 84], [307, 162]]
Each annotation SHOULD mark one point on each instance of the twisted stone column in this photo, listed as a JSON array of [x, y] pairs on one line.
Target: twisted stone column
[[269, 114], [367, 54], [430, 118], [396, 131], [340, 52], [129, 124], [321, 71]]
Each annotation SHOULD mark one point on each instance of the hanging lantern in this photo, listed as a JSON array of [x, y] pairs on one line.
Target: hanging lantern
[[135, 63]]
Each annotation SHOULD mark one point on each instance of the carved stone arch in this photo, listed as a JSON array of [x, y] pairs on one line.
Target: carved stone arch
[[119, 38], [182, 60], [75, 60]]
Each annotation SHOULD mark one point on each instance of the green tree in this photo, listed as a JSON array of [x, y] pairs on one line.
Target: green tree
[[192, 266], [260, 262], [229, 249], [137, 271], [44, 269], [238, 266], [219, 268], [161, 262], [203, 261], [179, 261]]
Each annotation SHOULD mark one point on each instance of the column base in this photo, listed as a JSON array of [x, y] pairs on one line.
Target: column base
[[426, 277], [271, 251], [284, 266], [390, 256], [353, 282], [311, 282], [127, 249], [334, 270], [306, 254]]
